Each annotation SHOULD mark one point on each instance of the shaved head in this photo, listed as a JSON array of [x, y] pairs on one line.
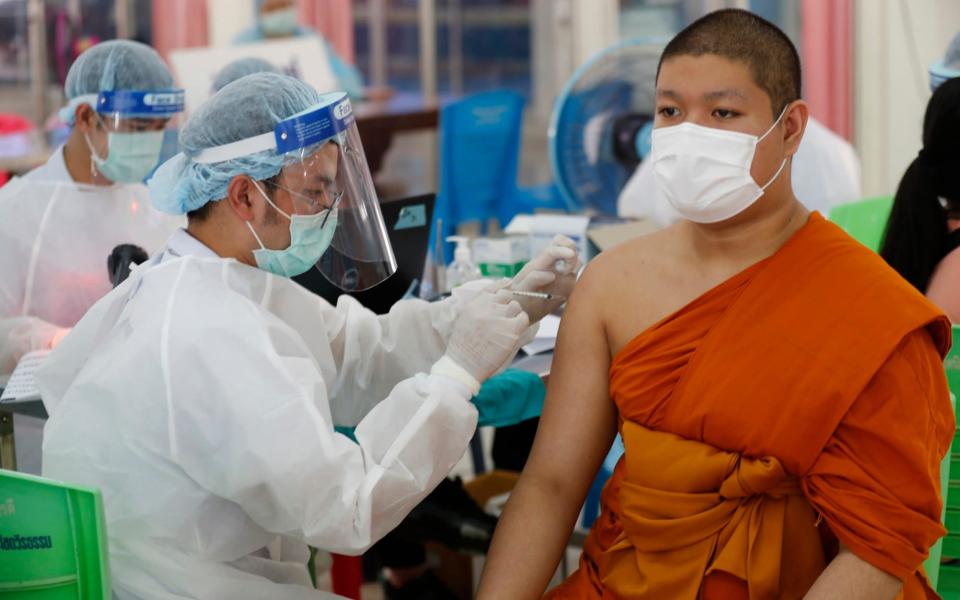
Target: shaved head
[[743, 37]]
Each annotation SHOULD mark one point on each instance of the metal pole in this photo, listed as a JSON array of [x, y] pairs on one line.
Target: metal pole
[[428, 49], [37, 34], [377, 31], [8, 451], [455, 59], [122, 16]]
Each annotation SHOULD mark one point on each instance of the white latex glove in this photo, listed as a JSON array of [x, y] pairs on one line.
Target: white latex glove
[[23, 335], [487, 334], [541, 275]]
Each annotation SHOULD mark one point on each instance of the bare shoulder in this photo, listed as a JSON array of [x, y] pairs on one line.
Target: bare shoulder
[[632, 266], [624, 286]]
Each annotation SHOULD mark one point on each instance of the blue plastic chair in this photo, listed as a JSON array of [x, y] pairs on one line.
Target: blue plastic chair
[[479, 157]]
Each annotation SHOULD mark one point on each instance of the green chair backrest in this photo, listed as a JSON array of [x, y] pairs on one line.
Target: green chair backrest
[[952, 366], [952, 363], [932, 565], [865, 220], [53, 541]]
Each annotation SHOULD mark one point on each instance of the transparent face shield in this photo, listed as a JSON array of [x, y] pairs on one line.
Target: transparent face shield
[[326, 185], [135, 125]]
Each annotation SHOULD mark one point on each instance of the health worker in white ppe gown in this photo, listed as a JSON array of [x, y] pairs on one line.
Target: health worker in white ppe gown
[[60, 222], [201, 395]]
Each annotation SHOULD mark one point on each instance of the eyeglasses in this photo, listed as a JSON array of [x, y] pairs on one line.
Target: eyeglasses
[[336, 203]]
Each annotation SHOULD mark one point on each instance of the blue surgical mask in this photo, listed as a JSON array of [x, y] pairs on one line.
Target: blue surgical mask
[[310, 236], [280, 22], [130, 156]]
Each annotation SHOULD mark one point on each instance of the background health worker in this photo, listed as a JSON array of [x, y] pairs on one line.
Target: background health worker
[[60, 222]]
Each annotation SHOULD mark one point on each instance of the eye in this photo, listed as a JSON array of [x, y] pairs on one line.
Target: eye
[[669, 112], [725, 113]]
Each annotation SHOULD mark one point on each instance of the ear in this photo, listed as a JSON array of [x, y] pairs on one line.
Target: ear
[[794, 124], [240, 195], [85, 118]]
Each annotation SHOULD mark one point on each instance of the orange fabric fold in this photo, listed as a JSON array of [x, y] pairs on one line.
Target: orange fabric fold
[[757, 425], [689, 510]]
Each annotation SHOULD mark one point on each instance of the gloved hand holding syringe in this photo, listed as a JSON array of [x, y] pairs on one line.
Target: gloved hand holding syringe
[[546, 282]]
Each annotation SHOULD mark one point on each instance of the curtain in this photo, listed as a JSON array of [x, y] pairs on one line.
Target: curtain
[[178, 24], [334, 20], [827, 33]]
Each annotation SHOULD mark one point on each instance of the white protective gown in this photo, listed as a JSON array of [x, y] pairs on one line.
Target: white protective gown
[[55, 237], [53, 171], [200, 397], [826, 172]]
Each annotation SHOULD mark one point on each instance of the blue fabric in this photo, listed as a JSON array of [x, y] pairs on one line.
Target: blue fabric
[[350, 432], [506, 399], [246, 108], [115, 65], [509, 398], [348, 76]]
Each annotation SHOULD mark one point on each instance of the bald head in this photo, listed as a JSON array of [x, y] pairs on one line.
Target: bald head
[[743, 37]]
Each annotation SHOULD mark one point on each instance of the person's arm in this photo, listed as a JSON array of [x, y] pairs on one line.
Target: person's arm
[[248, 420], [876, 483], [849, 577], [576, 430], [20, 335], [374, 353], [944, 287]]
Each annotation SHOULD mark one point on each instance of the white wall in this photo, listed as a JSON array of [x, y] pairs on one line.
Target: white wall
[[565, 34], [891, 85], [226, 19]]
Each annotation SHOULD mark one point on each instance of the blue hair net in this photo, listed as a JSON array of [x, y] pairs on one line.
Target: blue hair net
[[949, 67], [951, 58], [248, 107], [241, 68], [113, 66]]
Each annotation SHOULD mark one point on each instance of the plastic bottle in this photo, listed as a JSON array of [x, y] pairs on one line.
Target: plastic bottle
[[462, 269]]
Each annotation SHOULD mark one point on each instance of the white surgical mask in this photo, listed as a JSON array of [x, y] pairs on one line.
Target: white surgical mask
[[705, 172], [130, 156]]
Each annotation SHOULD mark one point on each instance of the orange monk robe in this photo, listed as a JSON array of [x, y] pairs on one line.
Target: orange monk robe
[[798, 404]]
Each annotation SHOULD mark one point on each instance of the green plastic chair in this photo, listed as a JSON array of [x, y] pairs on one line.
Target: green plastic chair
[[946, 578], [932, 565], [865, 221], [53, 540]]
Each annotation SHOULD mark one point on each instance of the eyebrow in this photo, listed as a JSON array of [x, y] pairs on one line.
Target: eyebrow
[[714, 95], [668, 94], [727, 93], [324, 179]]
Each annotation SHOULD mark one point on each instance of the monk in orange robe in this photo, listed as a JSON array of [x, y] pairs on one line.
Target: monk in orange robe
[[779, 390]]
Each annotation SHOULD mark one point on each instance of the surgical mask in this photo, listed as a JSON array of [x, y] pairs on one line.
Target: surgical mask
[[705, 172], [131, 156], [280, 22], [310, 236]]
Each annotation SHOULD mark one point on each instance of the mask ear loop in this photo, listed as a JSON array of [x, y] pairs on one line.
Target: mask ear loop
[[95, 156], [775, 123], [270, 202], [782, 164]]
